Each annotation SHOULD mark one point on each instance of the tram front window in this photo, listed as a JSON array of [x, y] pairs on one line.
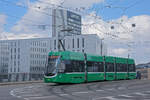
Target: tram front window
[[51, 68]]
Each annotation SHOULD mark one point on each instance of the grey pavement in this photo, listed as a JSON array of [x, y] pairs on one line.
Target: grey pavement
[[108, 90]]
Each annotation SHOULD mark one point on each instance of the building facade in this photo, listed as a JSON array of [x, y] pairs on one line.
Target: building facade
[[4, 61], [65, 22], [25, 59]]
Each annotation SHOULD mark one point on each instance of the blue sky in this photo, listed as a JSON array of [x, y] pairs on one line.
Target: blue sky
[[107, 10], [139, 7]]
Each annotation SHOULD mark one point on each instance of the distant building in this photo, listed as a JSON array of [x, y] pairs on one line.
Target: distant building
[[65, 20], [145, 73], [147, 65], [25, 59]]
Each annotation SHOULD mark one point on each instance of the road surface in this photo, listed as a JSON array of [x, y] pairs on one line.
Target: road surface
[[108, 90]]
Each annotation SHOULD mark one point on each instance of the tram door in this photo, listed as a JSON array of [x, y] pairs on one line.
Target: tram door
[[110, 73]]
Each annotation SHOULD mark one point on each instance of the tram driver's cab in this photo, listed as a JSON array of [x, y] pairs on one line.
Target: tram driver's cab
[[55, 65]]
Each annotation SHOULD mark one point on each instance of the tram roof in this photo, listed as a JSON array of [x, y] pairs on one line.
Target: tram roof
[[68, 55]]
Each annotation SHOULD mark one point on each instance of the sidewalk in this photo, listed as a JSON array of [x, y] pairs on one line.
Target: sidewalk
[[24, 82]]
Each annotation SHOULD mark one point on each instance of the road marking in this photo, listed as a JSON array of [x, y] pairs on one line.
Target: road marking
[[99, 90], [126, 96], [138, 93], [81, 92], [12, 93], [63, 94], [109, 98], [31, 95], [148, 91], [42, 97], [121, 88]]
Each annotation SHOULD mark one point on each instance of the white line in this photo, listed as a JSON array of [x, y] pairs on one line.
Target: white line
[[109, 98], [12, 93], [31, 95], [81, 92], [121, 88], [138, 93], [63, 94], [99, 90], [126, 96], [32, 98], [148, 91]]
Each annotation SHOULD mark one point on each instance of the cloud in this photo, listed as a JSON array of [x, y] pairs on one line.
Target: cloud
[[12, 36], [2, 22], [122, 34], [38, 18], [80, 3], [119, 51]]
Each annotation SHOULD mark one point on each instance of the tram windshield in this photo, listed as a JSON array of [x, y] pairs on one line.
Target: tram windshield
[[56, 65], [51, 68]]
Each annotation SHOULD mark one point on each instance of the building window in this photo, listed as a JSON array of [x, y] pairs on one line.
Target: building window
[[54, 44], [15, 50], [11, 51], [18, 56], [18, 63], [14, 63], [72, 43], [14, 56], [78, 42], [18, 50], [64, 43], [10, 69], [14, 69], [18, 69], [82, 42], [82, 50]]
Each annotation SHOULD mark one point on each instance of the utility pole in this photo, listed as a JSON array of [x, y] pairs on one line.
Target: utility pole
[[102, 46], [129, 46]]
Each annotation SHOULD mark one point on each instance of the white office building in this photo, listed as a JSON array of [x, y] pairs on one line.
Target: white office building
[[25, 59], [4, 60]]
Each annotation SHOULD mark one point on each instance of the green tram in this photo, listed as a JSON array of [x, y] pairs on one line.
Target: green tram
[[75, 67]]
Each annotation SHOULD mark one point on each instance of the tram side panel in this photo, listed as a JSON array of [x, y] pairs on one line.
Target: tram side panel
[[95, 69], [109, 68], [121, 68], [132, 69]]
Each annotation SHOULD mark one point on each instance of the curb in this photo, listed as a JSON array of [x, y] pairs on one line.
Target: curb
[[15, 83]]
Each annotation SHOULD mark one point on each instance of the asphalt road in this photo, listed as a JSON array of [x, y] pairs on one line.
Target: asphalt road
[[115, 90]]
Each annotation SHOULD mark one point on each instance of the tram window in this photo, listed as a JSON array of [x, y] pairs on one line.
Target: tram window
[[109, 67], [124, 67], [131, 67], [74, 66], [121, 67], [101, 67], [95, 66]]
